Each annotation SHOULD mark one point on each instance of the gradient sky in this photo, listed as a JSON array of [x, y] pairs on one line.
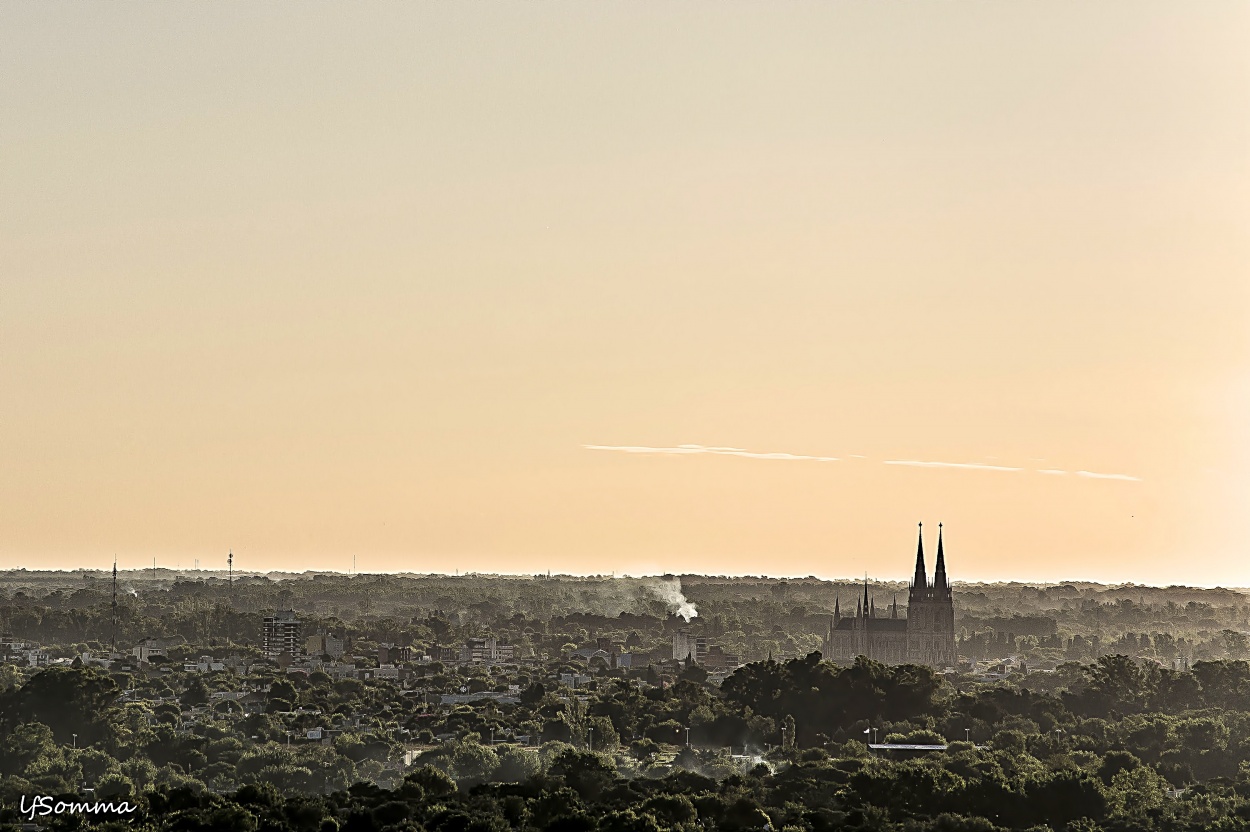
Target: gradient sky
[[311, 281]]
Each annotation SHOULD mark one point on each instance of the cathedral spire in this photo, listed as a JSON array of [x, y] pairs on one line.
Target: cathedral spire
[[920, 583], [939, 577], [865, 596], [837, 608], [894, 607], [872, 608]]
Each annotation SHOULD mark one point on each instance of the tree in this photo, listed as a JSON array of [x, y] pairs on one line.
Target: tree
[[196, 692], [71, 701], [1134, 792], [516, 764]]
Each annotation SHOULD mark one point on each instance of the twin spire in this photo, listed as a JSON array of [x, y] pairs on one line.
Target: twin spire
[[920, 587], [920, 582]]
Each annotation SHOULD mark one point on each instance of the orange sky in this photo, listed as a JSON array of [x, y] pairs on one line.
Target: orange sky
[[309, 281]]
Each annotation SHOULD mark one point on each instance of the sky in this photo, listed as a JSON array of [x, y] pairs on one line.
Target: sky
[[632, 288]]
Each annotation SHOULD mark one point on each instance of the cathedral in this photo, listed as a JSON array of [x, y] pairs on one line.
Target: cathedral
[[926, 636]]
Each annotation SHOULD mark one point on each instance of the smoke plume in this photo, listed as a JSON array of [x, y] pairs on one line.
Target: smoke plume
[[669, 591]]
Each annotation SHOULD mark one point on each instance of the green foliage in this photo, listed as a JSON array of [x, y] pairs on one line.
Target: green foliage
[[1103, 742], [71, 701]]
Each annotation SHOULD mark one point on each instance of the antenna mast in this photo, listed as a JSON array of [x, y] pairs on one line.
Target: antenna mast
[[229, 590], [113, 641]]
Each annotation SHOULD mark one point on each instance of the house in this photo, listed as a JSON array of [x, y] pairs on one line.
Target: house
[[150, 648]]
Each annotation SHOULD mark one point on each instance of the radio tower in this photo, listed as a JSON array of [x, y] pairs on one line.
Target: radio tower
[[113, 641], [229, 590]]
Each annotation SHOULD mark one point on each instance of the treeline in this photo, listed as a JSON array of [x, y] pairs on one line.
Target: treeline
[[969, 791], [748, 617], [1113, 744]]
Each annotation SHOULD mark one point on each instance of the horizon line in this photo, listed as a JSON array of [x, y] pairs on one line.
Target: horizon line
[[625, 576]]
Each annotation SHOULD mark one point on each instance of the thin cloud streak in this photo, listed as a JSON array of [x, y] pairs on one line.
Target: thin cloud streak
[[702, 449], [722, 450], [916, 463], [1093, 476]]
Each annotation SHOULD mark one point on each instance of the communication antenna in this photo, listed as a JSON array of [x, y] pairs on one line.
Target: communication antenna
[[229, 589], [113, 641]]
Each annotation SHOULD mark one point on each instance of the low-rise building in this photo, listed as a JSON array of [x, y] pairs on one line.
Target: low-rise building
[[324, 644], [206, 664], [393, 654], [485, 651], [150, 648]]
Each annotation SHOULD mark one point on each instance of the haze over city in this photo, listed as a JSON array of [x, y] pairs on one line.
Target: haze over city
[[636, 289]]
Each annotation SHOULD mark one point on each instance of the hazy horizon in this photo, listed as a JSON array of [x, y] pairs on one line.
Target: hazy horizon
[[608, 287], [138, 571]]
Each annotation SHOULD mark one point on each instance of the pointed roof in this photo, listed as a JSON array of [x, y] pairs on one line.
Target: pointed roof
[[865, 595], [894, 607], [837, 608], [919, 581], [939, 577], [872, 608]]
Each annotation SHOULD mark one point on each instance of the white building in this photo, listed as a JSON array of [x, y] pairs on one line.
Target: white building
[[687, 645], [281, 634], [148, 648]]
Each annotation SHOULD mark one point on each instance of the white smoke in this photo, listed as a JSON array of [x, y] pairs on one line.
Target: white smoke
[[669, 591]]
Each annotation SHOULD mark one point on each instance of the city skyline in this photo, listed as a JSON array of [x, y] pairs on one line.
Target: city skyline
[[616, 289]]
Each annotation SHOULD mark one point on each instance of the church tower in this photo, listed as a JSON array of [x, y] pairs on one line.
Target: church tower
[[931, 612], [926, 636]]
